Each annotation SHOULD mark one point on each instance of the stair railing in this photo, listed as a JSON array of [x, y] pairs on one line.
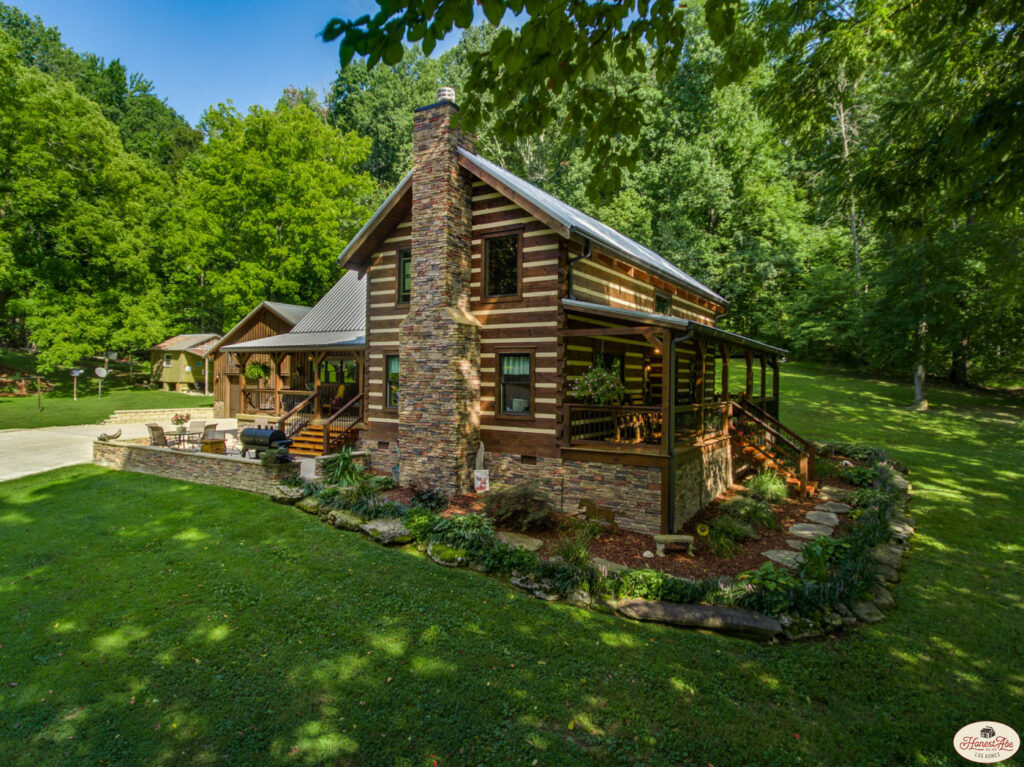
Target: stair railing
[[338, 426], [296, 419], [798, 450]]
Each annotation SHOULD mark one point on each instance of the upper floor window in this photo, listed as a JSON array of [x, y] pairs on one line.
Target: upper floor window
[[662, 303], [404, 276], [167, 360], [502, 256]]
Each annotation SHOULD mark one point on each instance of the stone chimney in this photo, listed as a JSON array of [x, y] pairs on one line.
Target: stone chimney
[[439, 354]]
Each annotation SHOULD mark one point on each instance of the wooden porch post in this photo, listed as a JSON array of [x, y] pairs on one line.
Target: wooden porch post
[[726, 406], [278, 359], [668, 390], [318, 357], [764, 382], [750, 374], [701, 370], [775, 377], [243, 360]]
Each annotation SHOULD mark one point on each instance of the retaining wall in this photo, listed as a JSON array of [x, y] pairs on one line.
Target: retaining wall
[[157, 416], [204, 468]]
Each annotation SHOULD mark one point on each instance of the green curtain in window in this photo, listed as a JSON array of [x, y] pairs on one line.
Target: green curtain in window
[[392, 366], [515, 365]]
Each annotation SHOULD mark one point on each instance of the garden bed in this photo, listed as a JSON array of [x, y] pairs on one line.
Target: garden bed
[[833, 574]]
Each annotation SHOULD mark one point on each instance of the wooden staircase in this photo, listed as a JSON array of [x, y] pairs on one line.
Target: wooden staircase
[[768, 445], [322, 436]]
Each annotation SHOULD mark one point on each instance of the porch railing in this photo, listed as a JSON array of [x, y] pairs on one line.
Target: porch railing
[[299, 416], [695, 421], [758, 429], [262, 401], [606, 425], [338, 427]]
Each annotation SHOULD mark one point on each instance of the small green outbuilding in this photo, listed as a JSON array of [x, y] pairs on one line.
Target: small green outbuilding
[[180, 363]]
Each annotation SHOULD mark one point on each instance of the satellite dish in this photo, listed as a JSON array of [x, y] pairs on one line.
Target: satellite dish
[[100, 372], [76, 372]]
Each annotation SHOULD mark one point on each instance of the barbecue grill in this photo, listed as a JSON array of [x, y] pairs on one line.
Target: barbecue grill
[[261, 440]]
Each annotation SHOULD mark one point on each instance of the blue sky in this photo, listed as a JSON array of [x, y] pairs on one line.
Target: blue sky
[[201, 53]]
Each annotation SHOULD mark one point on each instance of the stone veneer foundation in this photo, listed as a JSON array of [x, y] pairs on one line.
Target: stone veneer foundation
[[702, 473], [204, 468]]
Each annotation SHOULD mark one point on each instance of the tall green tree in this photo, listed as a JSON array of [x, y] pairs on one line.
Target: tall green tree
[[262, 211]]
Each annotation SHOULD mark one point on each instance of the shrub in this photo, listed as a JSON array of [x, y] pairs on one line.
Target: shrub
[[767, 486], [721, 545], [861, 476], [364, 498], [826, 468], [524, 505], [752, 511], [274, 455], [819, 556], [574, 549], [383, 482], [865, 498], [341, 468], [431, 499], [855, 451], [465, 531], [419, 521], [771, 589], [733, 528]]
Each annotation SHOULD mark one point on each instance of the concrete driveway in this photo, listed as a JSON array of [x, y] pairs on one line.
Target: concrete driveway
[[30, 451]]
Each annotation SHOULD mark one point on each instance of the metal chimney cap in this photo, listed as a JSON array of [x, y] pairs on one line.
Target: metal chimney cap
[[446, 94]]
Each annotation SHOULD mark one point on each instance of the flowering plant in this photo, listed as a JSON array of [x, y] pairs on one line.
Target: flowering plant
[[703, 530], [598, 386], [180, 419]]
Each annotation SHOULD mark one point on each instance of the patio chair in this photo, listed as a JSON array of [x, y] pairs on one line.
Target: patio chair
[[156, 435], [196, 428], [210, 431]]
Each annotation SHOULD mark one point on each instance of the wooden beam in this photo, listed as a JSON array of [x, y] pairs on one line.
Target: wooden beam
[[278, 359], [668, 387], [640, 330], [724, 349], [243, 360], [750, 374], [701, 369], [764, 379]]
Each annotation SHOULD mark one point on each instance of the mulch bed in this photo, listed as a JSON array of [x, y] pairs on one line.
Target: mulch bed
[[627, 547]]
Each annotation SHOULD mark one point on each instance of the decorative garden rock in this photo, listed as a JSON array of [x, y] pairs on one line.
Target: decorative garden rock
[[901, 484], [846, 614], [343, 520], [286, 495], [901, 531], [796, 627], [520, 541], [809, 531], [784, 557], [822, 518], [611, 567], [539, 589], [887, 554], [832, 493], [579, 598], [834, 507], [309, 504], [795, 543], [886, 573], [730, 620], [881, 597], [446, 556], [867, 612], [648, 555], [387, 531]]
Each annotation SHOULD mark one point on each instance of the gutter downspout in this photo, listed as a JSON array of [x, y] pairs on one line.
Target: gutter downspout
[[588, 251], [671, 390]]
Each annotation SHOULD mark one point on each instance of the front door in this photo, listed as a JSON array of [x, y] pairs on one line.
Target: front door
[[234, 395]]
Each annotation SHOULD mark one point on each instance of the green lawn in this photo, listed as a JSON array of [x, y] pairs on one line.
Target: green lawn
[[146, 621], [59, 408]]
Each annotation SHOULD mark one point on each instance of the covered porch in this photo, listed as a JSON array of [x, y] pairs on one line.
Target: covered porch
[[312, 393], [694, 393]]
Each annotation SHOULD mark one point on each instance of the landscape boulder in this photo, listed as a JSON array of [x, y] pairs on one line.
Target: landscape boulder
[[286, 495], [728, 620], [344, 520], [387, 531]]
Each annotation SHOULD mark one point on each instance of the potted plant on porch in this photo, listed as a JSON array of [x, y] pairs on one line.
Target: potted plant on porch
[[256, 371], [599, 386]]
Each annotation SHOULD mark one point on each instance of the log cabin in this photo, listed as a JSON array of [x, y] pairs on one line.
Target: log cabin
[[473, 300]]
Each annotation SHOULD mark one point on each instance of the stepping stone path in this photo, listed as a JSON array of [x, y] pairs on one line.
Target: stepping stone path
[[834, 507], [809, 531], [793, 543], [520, 541], [822, 518], [612, 567], [784, 557]]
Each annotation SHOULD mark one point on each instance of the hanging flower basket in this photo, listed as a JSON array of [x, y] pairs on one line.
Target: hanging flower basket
[[254, 371]]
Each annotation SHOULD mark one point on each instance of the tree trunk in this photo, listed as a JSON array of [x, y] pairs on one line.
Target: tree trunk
[[921, 367], [958, 368], [844, 130]]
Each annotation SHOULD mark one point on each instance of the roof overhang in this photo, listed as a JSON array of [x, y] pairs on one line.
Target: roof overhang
[[390, 213], [302, 342], [238, 325], [674, 323]]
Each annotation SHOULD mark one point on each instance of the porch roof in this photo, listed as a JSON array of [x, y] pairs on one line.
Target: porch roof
[[661, 320], [322, 341]]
